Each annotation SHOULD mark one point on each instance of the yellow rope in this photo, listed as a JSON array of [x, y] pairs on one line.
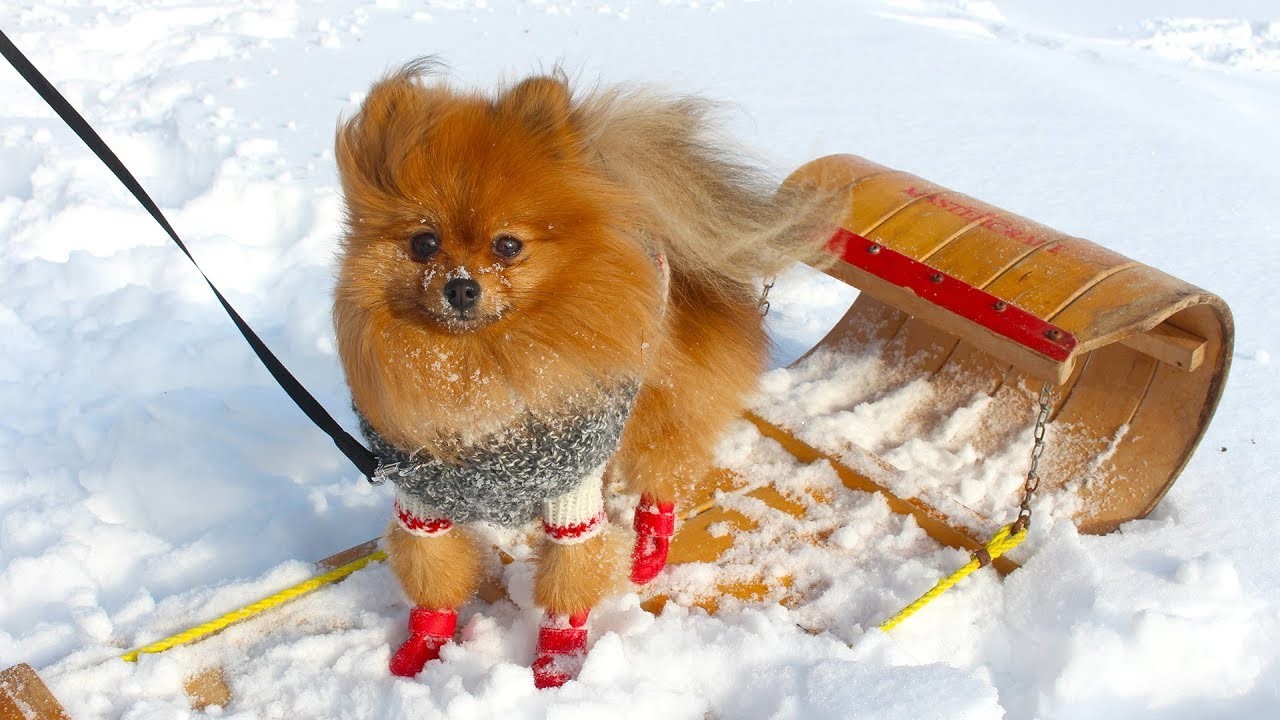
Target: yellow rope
[[999, 544], [280, 598], [217, 624]]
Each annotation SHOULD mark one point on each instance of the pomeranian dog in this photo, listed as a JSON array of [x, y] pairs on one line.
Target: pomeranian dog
[[537, 288]]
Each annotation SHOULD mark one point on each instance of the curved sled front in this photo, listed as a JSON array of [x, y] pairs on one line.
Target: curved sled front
[[1138, 356]]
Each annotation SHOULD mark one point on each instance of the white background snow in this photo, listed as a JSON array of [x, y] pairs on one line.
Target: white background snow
[[152, 475]]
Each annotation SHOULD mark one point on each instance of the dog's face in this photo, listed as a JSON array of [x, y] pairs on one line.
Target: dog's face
[[488, 266], [463, 211]]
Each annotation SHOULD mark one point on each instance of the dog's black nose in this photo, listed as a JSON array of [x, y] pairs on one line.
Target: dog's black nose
[[462, 293]]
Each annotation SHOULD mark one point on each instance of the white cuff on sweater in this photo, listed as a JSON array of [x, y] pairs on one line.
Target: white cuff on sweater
[[418, 518], [578, 514]]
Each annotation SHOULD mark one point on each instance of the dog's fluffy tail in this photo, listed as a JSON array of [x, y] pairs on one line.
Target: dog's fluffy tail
[[720, 221]]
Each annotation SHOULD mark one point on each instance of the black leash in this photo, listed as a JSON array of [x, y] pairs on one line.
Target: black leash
[[356, 452]]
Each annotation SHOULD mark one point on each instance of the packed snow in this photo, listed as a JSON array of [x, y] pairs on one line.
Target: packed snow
[[153, 476]]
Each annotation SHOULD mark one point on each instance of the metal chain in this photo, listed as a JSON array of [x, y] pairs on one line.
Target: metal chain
[[764, 297], [1032, 482]]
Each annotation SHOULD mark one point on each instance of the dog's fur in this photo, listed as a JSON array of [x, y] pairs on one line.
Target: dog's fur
[[593, 186]]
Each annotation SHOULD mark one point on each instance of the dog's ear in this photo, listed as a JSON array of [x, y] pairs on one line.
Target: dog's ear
[[365, 142], [543, 102]]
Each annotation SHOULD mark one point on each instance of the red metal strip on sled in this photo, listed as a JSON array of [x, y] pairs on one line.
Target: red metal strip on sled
[[999, 316]]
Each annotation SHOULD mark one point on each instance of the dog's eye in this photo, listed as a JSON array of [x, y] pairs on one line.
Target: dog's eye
[[424, 245], [507, 246]]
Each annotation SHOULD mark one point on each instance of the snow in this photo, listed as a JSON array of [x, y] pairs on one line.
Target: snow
[[152, 475]]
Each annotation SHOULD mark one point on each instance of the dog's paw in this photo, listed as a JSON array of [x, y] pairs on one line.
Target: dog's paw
[[655, 524], [562, 648], [429, 630]]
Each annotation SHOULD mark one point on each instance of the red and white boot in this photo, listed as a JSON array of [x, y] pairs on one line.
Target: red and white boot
[[562, 648], [655, 524], [429, 630]]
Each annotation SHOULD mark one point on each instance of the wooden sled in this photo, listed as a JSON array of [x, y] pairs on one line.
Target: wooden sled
[[972, 301], [977, 302]]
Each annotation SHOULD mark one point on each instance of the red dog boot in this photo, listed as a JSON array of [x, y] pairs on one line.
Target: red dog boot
[[429, 630], [655, 523], [562, 648]]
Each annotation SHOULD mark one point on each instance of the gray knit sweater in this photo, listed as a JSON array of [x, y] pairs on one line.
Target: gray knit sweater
[[505, 477]]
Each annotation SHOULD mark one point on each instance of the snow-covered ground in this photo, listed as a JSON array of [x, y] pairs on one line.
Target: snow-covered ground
[[152, 475]]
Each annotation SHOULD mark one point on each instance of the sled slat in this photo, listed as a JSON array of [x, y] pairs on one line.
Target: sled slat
[[207, 688], [24, 696], [1048, 280], [1113, 383], [1170, 346], [929, 519], [879, 198], [695, 542], [898, 233], [351, 554]]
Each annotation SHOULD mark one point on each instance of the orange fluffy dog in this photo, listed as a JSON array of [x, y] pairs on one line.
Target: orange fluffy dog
[[533, 287]]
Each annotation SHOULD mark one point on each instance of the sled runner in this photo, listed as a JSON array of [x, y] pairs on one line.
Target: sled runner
[[965, 309]]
